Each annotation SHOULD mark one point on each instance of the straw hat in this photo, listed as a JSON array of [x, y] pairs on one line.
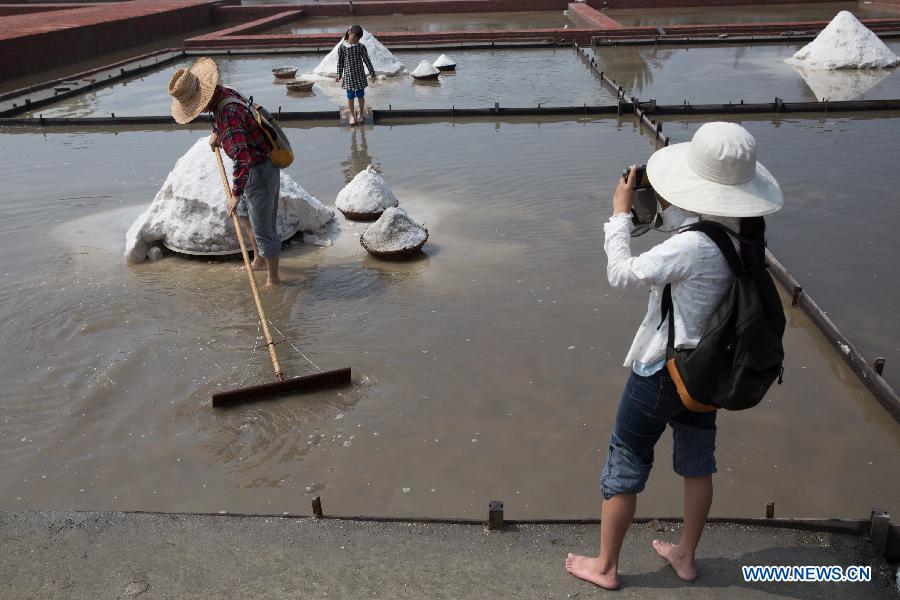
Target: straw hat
[[715, 174], [192, 89]]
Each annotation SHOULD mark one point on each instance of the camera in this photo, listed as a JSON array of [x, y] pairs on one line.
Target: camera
[[644, 213]]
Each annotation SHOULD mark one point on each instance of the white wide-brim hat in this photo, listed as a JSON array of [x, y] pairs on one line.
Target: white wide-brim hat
[[192, 89], [715, 174]]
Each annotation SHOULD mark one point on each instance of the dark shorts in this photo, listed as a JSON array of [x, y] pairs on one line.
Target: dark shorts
[[648, 404], [360, 93]]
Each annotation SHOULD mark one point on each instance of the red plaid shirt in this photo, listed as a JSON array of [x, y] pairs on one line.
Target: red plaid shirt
[[240, 136]]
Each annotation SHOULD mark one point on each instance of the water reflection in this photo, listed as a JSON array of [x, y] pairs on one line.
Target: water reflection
[[841, 84], [359, 157]]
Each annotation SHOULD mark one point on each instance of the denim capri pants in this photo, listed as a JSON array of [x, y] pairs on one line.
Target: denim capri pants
[[260, 204], [648, 404]]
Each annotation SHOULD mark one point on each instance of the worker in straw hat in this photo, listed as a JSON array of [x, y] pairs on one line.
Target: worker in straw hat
[[256, 181], [714, 177]]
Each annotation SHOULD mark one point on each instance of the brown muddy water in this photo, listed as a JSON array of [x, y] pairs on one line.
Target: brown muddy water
[[483, 77], [754, 13], [488, 21], [489, 368], [836, 233], [731, 73]]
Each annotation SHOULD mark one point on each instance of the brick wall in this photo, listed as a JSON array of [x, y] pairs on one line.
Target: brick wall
[[37, 41], [386, 7], [23, 9]]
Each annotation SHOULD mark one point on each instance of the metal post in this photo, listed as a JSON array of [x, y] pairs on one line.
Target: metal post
[[495, 515], [879, 365], [317, 507], [770, 510], [795, 296], [878, 532]]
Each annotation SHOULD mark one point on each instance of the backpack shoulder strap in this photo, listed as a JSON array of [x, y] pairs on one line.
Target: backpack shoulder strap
[[721, 236]]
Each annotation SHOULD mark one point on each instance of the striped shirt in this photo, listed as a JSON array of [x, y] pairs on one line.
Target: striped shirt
[[352, 61]]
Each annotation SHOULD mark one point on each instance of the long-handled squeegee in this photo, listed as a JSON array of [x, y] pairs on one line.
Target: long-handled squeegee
[[282, 385]]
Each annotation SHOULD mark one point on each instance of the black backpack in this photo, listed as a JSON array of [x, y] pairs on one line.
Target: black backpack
[[740, 354]]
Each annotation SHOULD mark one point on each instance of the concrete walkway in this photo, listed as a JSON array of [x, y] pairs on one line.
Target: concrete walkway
[[120, 555]]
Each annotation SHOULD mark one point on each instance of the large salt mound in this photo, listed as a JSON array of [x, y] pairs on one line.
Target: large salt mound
[[394, 234], [366, 196], [845, 44], [385, 63], [189, 212]]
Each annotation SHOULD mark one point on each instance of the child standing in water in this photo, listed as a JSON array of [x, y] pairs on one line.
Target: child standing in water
[[353, 59]]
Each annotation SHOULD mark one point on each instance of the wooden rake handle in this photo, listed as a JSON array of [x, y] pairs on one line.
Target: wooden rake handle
[[259, 307]]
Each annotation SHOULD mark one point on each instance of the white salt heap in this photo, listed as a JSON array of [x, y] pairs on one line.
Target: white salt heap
[[425, 69], [366, 196], [393, 233], [189, 212], [845, 44], [444, 61], [385, 63]]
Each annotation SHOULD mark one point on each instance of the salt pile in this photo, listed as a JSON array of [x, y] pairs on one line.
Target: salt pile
[[845, 44], [394, 235], [385, 63], [425, 70], [444, 63], [365, 197], [189, 213]]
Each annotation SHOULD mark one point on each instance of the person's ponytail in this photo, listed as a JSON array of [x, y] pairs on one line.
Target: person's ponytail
[[753, 242]]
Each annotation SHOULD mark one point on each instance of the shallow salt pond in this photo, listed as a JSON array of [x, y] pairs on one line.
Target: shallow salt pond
[[731, 73], [756, 13], [483, 77], [488, 21], [489, 368]]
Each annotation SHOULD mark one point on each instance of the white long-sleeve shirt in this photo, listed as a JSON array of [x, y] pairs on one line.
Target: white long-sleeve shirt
[[690, 261]]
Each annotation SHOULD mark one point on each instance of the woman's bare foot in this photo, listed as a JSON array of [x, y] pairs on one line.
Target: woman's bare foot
[[270, 284], [680, 561], [589, 569], [359, 118], [351, 120]]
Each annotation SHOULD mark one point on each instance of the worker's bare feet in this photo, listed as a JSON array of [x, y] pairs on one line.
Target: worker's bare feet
[[359, 118], [351, 120], [256, 265], [270, 284], [589, 569], [680, 561]]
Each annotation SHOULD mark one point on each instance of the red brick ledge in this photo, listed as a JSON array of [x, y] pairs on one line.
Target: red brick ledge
[[387, 7], [585, 15], [25, 9], [688, 3], [742, 29], [582, 36], [257, 25]]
